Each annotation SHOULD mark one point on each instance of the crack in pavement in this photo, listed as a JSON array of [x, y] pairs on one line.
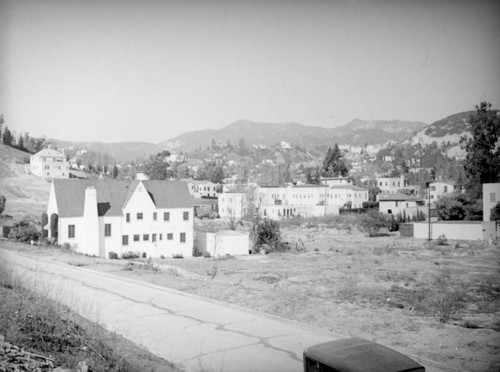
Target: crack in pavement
[[264, 341]]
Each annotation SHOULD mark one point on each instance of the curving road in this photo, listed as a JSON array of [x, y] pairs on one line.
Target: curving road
[[194, 333]]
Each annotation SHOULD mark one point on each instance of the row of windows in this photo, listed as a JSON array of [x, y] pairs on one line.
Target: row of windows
[[145, 237], [166, 216], [136, 237]]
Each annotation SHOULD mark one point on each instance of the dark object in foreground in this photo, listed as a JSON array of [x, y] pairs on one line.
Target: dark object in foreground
[[356, 355]]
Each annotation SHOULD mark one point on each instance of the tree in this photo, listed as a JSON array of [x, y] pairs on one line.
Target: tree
[[54, 218], [157, 166], [451, 207], [115, 171], [7, 137], [374, 221], [3, 200], [482, 163], [242, 147], [495, 212], [2, 120], [334, 164]]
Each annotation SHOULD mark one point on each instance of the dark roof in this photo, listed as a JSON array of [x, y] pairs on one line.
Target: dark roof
[[358, 355], [112, 195], [398, 196], [169, 194]]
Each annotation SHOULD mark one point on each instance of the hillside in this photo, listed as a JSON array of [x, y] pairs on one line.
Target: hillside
[[25, 193], [121, 151], [357, 132]]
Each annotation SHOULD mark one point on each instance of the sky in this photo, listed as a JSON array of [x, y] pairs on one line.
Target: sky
[[121, 70]]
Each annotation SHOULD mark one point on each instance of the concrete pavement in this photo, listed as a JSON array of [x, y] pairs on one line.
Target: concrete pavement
[[194, 333]]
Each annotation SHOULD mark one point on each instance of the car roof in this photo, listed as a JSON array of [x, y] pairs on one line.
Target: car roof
[[358, 355]]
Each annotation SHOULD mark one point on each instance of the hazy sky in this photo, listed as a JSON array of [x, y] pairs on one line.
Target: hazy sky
[[151, 70]]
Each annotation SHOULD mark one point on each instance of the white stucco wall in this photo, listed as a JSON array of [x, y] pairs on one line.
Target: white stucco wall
[[225, 242], [453, 230], [491, 196]]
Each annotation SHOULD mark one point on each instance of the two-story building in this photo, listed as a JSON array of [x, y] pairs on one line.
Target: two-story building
[[398, 203], [441, 188], [202, 189], [391, 185], [49, 163], [96, 217]]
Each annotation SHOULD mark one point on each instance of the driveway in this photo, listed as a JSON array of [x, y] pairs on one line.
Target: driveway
[[194, 333]]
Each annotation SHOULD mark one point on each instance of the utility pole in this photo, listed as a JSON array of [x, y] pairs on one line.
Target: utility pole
[[428, 184]]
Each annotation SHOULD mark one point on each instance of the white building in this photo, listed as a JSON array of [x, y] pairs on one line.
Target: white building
[[96, 217], [335, 181], [202, 189], [49, 163], [235, 204], [399, 203], [491, 196], [441, 188], [391, 185]]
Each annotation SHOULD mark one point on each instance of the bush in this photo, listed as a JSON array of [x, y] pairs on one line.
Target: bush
[[267, 232], [372, 222], [45, 221], [113, 255], [53, 225], [441, 240], [2, 203], [177, 255], [25, 231], [130, 254]]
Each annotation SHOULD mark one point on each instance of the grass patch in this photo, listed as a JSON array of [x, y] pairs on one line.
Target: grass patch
[[36, 326]]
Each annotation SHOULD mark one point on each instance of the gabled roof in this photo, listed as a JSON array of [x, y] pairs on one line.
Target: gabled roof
[[49, 152], [169, 194], [112, 195], [70, 196]]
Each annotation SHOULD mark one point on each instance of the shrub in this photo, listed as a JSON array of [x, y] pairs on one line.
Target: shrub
[[53, 225], [25, 231], [372, 222], [130, 254], [177, 255], [113, 255], [267, 232], [441, 240], [45, 221], [447, 296], [2, 203]]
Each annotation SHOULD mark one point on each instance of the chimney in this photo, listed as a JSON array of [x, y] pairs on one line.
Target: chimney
[[90, 223]]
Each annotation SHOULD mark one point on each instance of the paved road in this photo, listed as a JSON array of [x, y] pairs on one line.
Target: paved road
[[194, 333]]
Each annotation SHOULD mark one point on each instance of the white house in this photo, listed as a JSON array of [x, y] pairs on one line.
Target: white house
[[491, 196], [398, 202], [391, 185], [49, 163], [438, 189], [235, 204], [96, 217], [202, 189]]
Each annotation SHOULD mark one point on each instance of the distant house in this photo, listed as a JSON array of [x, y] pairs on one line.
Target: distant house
[[49, 163], [399, 203], [391, 185], [96, 217], [335, 181], [441, 188], [202, 189]]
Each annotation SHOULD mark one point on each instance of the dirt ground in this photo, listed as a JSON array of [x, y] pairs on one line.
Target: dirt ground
[[389, 289]]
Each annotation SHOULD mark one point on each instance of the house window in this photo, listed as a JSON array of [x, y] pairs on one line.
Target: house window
[[153, 237], [170, 236], [107, 229], [71, 231], [183, 237], [492, 197], [125, 240], [433, 188], [155, 215], [161, 236], [127, 217], [137, 237], [166, 216], [139, 216], [145, 237], [446, 189], [186, 216]]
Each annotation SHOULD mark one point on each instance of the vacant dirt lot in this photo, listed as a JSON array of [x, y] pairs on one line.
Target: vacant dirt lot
[[388, 289]]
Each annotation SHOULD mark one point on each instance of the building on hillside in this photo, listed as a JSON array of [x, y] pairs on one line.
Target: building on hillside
[[400, 203], [441, 188], [96, 217], [391, 185], [491, 196], [49, 163], [347, 196], [202, 189]]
